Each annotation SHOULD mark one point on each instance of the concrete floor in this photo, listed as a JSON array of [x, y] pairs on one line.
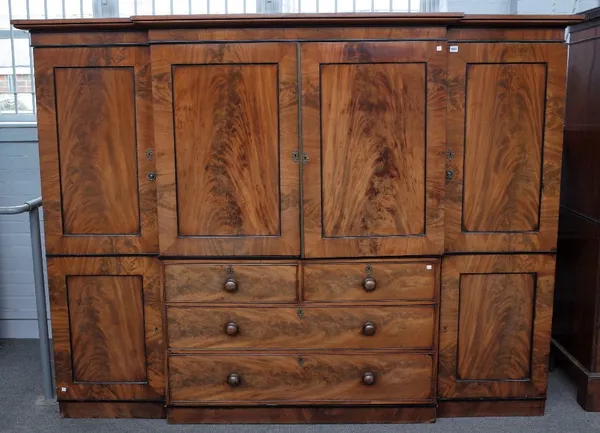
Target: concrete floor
[[22, 409]]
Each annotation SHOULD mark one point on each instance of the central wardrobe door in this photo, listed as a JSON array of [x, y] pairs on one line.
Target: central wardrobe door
[[373, 129], [226, 119]]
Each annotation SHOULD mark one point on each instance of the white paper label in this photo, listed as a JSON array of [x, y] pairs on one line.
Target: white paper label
[[63, 388], [429, 267], [454, 48], [439, 48]]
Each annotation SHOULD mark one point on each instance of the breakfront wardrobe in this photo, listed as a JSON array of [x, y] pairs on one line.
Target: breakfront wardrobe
[[301, 218]]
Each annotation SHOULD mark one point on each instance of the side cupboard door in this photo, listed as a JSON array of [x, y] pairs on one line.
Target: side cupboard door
[[226, 136], [373, 130], [505, 127], [95, 140]]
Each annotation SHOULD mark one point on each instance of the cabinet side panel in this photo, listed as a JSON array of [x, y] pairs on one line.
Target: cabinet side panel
[[503, 147], [107, 328], [226, 140], [495, 326], [95, 110], [373, 149]]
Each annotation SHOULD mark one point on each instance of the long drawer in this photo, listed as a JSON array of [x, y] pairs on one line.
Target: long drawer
[[231, 283], [298, 379], [407, 280], [408, 327]]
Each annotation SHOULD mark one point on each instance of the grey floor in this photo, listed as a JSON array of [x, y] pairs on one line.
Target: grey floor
[[22, 409]]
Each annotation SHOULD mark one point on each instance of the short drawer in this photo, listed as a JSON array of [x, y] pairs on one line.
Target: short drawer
[[379, 281], [296, 379], [231, 283], [302, 328]]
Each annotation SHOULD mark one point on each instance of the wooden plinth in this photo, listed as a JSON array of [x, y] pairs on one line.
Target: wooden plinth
[[300, 415], [452, 409]]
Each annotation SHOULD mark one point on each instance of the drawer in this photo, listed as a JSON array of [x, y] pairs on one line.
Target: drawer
[[253, 282], [294, 379], [300, 328], [379, 281]]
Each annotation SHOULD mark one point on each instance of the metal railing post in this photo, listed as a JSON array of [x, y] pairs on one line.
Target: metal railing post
[[40, 300], [32, 207]]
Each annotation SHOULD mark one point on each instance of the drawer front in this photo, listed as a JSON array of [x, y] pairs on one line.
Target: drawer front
[[195, 282], [293, 379], [401, 281], [302, 328]]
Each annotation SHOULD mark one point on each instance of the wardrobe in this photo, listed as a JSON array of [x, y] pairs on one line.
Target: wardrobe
[[301, 218]]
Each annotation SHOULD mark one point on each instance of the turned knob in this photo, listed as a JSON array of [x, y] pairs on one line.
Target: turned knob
[[368, 378], [232, 328], [234, 379], [230, 285], [368, 328], [369, 284]]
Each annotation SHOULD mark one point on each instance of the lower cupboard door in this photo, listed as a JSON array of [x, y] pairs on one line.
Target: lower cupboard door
[[300, 379], [107, 328], [495, 320]]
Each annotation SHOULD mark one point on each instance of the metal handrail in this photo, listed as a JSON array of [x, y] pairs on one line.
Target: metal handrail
[[32, 207]]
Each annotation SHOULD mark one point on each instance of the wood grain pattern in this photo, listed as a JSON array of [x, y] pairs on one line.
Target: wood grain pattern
[[373, 149], [498, 193], [96, 138], [247, 179], [502, 174], [388, 160], [320, 33], [226, 139], [323, 378], [88, 38], [100, 285], [395, 281], [256, 282], [480, 34], [94, 129], [310, 328], [452, 330], [301, 415], [453, 409], [145, 410], [106, 319], [495, 325]]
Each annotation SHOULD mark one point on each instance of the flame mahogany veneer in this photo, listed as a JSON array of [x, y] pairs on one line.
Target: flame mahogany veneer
[[301, 218]]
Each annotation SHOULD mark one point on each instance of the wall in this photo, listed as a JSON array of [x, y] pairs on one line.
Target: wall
[[19, 182]]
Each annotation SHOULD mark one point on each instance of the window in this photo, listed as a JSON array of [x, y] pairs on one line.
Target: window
[[17, 90]]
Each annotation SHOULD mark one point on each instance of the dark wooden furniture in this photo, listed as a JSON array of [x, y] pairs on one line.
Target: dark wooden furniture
[[575, 331], [258, 218]]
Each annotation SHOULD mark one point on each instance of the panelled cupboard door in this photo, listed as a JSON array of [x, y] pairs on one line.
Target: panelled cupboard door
[[373, 128], [107, 328], [226, 131], [95, 129], [495, 321], [505, 128]]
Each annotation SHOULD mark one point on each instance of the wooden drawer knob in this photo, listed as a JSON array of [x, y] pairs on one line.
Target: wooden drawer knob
[[230, 285], [234, 379], [368, 378], [368, 328], [369, 284], [232, 328]]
